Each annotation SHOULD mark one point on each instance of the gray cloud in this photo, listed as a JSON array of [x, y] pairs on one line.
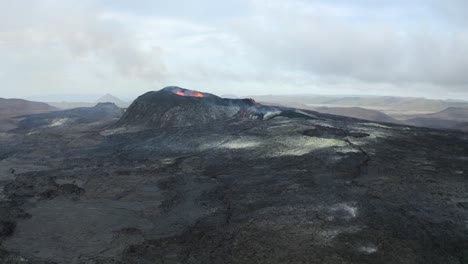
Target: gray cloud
[[318, 41], [85, 31], [454, 11], [267, 46]]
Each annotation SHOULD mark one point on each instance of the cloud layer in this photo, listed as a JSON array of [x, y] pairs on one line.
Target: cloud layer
[[55, 39], [247, 47], [330, 42]]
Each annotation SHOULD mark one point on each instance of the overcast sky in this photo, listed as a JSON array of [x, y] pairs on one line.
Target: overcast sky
[[242, 47]]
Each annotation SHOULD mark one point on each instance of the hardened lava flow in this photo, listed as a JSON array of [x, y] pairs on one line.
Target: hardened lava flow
[[189, 177]]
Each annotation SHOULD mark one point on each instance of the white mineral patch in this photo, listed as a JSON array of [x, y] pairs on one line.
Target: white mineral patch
[[277, 144], [240, 144], [5, 136], [284, 128], [374, 125], [347, 209], [271, 114], [168, 161], [328, 235], [374, 133], [304, 113], [121, 130], [300, 145], [368, 249], [58, 122], [348, 149]]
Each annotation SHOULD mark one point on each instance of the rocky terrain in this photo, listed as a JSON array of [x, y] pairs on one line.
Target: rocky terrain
[[189, 177]]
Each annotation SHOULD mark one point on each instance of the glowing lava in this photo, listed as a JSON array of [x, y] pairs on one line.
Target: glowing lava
[[189, 93], [196, 94]]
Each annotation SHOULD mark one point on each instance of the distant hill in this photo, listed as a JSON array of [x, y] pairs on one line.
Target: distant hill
[[69, 117], [452, 118], [358, 112], [355, 112], [64, 97], [71, 105], [433, 123], [405, 110], [451, 113], [14, 107], [387, 104], [109, 98]]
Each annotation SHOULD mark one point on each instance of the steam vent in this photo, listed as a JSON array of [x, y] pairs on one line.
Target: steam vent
[[178, 107]]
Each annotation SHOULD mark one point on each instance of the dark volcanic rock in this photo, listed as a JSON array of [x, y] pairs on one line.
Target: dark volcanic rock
[[12, 258], [301, 187], [6, 228], [68, 190], [332, 132]]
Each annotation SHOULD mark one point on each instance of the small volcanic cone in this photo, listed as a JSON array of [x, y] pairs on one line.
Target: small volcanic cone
[[178, 107]]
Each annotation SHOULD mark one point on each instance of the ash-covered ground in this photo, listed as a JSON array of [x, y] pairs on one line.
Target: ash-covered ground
[[184, 178]]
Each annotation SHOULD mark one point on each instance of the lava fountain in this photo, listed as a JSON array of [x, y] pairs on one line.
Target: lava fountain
[[190, 93]]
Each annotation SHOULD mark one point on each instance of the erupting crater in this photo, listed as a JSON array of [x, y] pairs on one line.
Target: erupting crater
[[184, 92], [174, 106]]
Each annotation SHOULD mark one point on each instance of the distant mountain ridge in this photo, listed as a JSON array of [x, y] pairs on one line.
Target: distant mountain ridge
[[80, 115], [12, 107], [451, 113], [451, 118], [381, 103], [15, 107], [440, 114], [107, 98], [358, 112]]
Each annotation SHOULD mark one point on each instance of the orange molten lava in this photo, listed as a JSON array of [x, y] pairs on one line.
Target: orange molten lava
[[192, 94]]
